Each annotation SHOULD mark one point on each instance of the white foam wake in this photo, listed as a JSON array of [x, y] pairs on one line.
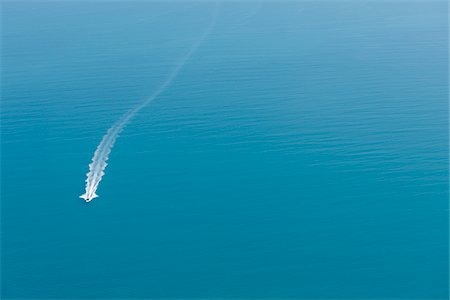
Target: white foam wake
[[101, 155]]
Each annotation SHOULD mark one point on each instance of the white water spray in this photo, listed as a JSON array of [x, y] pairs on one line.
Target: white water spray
[[101, 155]]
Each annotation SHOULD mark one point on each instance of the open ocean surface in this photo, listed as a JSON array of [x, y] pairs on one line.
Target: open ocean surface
[[302, 151]]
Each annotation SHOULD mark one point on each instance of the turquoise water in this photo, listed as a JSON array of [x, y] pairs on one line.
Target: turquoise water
[[302, 151]]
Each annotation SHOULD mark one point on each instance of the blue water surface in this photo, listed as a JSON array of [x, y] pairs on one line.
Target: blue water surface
[[301, 152]]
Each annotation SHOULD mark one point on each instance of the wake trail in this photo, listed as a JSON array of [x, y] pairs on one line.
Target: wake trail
[[101, 154]]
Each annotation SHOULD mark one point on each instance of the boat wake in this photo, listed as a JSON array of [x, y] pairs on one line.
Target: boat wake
[[101, 154]]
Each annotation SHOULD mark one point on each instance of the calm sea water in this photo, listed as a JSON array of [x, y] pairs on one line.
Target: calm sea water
[[302, 152]]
